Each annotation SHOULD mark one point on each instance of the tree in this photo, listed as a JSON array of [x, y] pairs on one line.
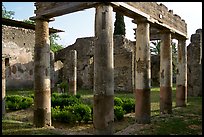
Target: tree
[[7, 14], [29, 21], [155, 48], [54, 46], [119, 24]]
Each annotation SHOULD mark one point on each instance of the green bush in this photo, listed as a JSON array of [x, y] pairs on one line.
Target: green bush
[[118, 101], [118, 113], [63, 115], [81, 111], [128, 105], [64, 85], [64, 100], [17, 102], [78, 96], [71, 114]]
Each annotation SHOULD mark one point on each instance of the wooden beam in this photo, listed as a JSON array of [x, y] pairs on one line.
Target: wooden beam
[[65, 8]]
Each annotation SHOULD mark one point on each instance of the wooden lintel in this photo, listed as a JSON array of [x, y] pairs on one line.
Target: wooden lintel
[[66, 8]]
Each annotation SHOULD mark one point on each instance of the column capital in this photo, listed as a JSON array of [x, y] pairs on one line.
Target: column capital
[[164, 31], [140, 20], [181, 38]]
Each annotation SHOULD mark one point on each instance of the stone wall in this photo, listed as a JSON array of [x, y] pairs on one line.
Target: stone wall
[[18, 43], [194, 64], [123, 61]]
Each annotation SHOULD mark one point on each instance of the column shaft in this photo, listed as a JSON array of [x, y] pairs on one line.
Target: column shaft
[[166, 73], [142, 73], [3, 87], [52, 71], [181, 76], [103, 109], [42, 100], [72, 72]]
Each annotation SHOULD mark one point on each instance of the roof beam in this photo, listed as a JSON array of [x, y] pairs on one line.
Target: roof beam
[[64, 8]]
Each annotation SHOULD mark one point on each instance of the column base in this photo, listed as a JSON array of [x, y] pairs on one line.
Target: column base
[[142, 106], [103, 114], [165, 100], [42, 118], [180, 96]]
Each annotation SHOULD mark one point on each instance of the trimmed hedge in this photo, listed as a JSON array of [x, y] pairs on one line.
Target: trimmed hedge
[[17, 102]]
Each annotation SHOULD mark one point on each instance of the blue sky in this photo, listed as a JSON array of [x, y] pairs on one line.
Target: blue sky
[[81, 24]]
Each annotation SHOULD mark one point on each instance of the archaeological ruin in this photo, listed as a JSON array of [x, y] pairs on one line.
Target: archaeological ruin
[[194, 64], [154, 21], [104, 63], [18, 40]]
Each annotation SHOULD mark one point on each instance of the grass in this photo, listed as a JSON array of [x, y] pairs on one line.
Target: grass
[[183, 121]]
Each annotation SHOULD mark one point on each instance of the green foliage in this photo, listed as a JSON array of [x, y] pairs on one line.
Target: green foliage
[[118, 113], [72, 114], [29, 21], [62, 115], [7, 14], [54, 46], [64, 85], [81, 111], [118, 101], [119, 24], [17, 102], [155, 48], [128, 105], [64, 100]]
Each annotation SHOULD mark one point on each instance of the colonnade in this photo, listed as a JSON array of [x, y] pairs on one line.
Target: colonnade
[[103, 93]]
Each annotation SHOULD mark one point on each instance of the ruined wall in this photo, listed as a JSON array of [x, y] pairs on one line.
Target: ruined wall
[[194, 64], [161, 13], [123, 50], [18, 43]]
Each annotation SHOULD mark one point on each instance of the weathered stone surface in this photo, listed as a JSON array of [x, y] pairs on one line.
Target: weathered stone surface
[[165, 73], [18, 43], [181, 76], [3, 91], [72, 75], [142, 106], [142, 73], [42, 89], [123, 62], [103, 90], [194, 65]]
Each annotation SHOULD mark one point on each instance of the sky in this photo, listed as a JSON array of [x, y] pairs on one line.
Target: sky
[[81, 24]]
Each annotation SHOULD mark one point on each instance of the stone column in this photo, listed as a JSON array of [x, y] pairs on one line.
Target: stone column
[[3, 87], [165, 73], [103, 108], [142, 73], [181, 76], [42, 95], [5, 62], [72, 72], [52, 70]]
